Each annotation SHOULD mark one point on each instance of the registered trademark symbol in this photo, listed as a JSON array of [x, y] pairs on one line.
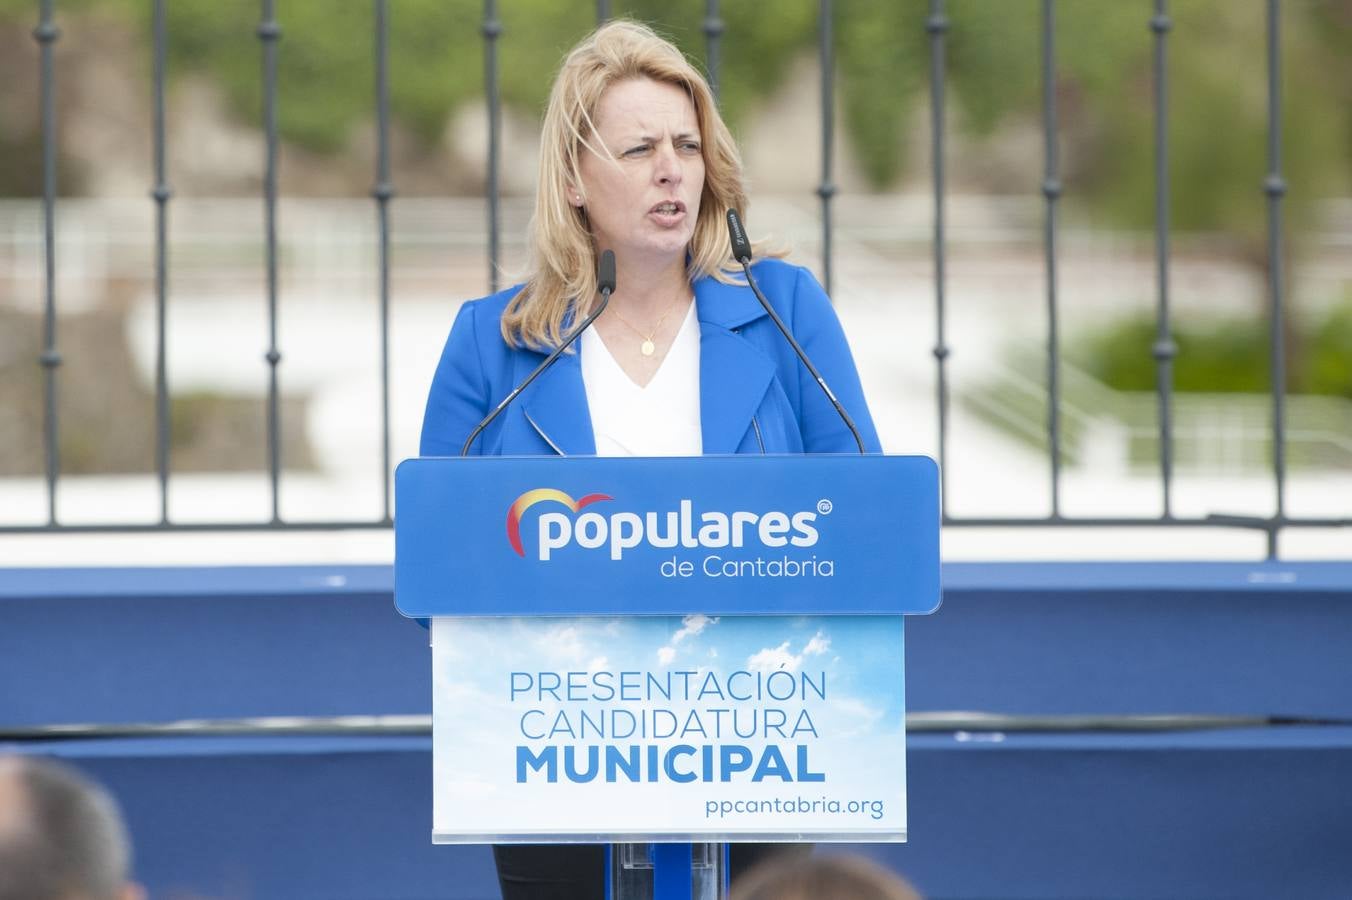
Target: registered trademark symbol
[[824, 507]]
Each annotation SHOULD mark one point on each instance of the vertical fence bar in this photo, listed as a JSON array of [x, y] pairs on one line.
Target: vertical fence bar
[[1275, 188], [602, 11], [161, 194], [1164, 349], [492, 29], [713, 34], [268, 33], [382, 192], [937, 26], [1051, 190], [47, 34], [826, 190]]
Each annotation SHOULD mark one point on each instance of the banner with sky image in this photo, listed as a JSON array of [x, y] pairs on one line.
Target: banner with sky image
[[668, 727]]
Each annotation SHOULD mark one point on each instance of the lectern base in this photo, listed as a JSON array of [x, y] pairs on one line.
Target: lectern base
[[666, 871]]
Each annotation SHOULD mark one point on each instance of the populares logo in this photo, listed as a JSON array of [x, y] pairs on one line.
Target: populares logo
[[540, 495], [680, 527]]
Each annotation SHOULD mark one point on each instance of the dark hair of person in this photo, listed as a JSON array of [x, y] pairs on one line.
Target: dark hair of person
[[822, 878], [61, 835]]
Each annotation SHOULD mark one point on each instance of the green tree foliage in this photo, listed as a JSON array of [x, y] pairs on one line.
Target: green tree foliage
[[1217, 72], [1222, 355], [1103, 86], [883, 60]]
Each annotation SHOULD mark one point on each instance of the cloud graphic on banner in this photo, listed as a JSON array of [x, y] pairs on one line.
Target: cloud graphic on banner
[[564, 642], [781, 657], [460, 686], [819, 644], [691, 626], [772, 658], [851, 716]]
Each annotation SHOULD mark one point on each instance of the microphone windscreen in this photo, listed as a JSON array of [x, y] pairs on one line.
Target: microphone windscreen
[[741, 247], [605, 273]]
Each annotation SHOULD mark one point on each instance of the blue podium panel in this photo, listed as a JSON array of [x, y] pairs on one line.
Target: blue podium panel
[[726, 535], [655, 728]]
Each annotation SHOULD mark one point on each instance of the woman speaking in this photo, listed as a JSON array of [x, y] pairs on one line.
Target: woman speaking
[[684, 360]]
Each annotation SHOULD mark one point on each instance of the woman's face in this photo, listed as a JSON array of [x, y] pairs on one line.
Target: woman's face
[[644, 203]]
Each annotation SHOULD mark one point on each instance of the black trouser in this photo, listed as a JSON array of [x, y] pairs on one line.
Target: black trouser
[[578, 871]]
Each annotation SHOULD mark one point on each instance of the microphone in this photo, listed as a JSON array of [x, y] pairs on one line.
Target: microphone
[[605, 286], [741, 251]]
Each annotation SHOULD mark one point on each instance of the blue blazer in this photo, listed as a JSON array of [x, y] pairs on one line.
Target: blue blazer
[[755, 395]]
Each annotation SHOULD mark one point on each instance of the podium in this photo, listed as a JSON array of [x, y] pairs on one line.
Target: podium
[[668, 654]]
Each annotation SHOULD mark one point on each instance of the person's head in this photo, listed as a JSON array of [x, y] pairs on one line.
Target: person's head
[[61, 836], [821, 878], [630, 125]]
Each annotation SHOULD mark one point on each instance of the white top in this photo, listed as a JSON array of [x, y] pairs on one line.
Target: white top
[[660, 419]]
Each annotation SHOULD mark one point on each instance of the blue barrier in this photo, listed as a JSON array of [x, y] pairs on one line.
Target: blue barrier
[[1236, 813]]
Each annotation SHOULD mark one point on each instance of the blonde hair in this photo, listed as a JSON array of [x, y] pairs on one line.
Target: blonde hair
[[561, 274]]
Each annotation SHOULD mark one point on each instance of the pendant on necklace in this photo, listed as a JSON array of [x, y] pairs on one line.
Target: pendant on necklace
[[647, 348]]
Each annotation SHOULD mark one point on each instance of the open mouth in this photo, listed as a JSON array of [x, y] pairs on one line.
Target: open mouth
[[668, 208]]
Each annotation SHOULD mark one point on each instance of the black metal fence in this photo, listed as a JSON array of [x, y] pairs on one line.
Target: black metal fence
[[937, 24]]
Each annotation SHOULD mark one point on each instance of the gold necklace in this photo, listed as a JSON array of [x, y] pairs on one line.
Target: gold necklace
[[648, 347]]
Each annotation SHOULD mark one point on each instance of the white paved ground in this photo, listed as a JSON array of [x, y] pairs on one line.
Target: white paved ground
[[883, 290]]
